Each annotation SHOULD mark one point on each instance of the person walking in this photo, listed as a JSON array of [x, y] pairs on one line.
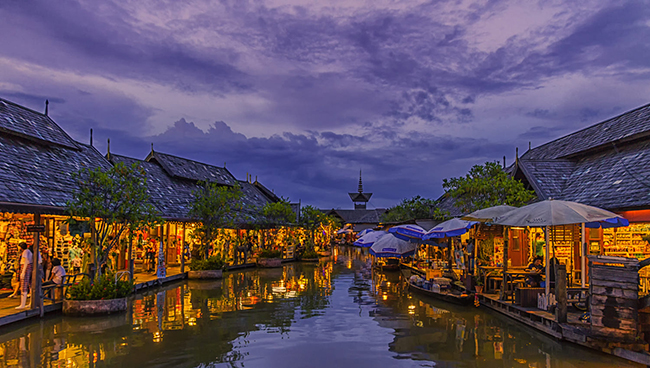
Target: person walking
[[26, 264]]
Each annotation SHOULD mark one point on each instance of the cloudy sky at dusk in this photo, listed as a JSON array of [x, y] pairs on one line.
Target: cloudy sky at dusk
[[303, 94]]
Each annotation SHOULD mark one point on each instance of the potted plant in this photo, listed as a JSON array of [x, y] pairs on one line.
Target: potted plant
[[310, 255], [478, 284], [103, 295], [211, 268], [269, 258]]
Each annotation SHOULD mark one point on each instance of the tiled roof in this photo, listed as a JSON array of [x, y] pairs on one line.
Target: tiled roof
[[171, 197], [550, 176], [23, 122], [192, 170], [616, 179], [268, 193], [628, 125], [41, 175], [254, 199], [448, 204], [359, 216]]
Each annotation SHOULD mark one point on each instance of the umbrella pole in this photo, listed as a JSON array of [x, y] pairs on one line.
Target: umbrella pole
[[547, 285], [583, 257]]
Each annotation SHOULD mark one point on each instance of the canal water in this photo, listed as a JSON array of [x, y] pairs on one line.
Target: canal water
[[335, 313]]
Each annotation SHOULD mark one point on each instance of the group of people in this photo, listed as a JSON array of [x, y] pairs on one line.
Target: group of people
[[52, 273]]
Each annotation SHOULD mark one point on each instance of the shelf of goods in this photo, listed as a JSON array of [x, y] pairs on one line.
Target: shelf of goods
[[627, 241]]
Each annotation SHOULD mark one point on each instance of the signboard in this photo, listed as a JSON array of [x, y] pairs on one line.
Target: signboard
[[35, 228]]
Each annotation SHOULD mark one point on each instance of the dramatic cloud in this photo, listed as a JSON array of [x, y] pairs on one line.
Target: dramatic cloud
[[306, 94]]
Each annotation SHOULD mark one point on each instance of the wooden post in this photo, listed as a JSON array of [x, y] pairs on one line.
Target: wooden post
[[504, 283], [130, 256], [36, 275], [583, 257], [547, 287], [183, 250], [560, 293]]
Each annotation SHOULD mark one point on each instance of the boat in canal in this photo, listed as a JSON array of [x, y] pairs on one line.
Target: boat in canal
[[451, 296]]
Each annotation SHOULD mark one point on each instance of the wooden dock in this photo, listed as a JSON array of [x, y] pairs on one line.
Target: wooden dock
[[573, 331]]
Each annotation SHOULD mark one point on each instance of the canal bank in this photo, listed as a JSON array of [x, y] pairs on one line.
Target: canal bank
[[322, 315]]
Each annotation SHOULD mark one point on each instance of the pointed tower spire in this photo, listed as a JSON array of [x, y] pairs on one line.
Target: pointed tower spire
[[360, 198], [360, 183]]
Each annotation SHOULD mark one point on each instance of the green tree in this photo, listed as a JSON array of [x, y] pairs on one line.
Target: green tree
[[117, 200], [312, 219], [486, 186], [278, 213], [414, 208], [215, 207]]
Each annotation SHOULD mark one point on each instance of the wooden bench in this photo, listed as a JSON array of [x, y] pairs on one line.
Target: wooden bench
[[48, 292]]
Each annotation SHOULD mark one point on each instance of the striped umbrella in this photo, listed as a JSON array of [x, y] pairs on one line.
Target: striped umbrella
[[408, 232], [369, 239]]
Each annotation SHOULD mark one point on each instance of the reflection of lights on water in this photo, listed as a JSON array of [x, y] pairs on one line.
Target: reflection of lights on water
[[387, 283], [384, 297], [157, 336], [279, 289], [349, 265], [192, 321]]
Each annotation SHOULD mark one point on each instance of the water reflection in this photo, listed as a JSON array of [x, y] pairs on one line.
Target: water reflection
[[333, 313]]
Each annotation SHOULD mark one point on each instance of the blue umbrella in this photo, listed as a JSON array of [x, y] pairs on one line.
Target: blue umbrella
[[608, 223], [453, 227], [391, 246], [369, 239], [364, 232], [412, 233]]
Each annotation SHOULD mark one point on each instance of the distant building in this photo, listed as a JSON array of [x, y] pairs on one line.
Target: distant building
[[360, 218]]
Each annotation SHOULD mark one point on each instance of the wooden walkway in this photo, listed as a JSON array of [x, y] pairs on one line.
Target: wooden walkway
[[574, 331], [9, 314]]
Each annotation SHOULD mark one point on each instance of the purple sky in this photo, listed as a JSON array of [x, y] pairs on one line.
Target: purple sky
[[303, 94]]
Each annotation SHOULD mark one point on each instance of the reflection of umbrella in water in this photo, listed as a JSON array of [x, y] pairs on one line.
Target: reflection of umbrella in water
[[369, 239], [391, 246], [553, 213]]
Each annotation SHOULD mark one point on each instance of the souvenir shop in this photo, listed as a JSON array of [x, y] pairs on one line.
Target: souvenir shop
[[67, 242]]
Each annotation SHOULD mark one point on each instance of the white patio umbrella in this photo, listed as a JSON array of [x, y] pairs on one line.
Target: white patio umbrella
[[488, 214], [392, 246], [369, 239], [552, 213]]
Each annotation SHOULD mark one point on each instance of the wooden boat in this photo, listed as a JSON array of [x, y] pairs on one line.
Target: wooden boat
[[388, 264], [461, 299]]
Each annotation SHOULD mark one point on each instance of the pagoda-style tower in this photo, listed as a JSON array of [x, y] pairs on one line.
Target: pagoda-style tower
[[360, 199]]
